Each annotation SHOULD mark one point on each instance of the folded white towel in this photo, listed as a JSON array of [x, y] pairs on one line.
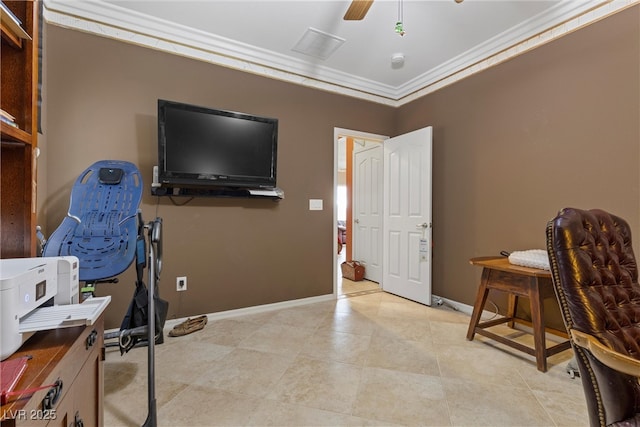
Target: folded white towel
[[534, 258]]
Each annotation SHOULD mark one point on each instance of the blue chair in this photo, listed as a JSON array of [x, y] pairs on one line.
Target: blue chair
[[101, 226], [104, 229]]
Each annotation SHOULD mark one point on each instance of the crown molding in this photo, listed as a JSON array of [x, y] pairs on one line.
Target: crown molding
[[550, 18], [587, 17], [113, 21]]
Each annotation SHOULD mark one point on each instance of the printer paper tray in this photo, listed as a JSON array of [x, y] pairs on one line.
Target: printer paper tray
[[64, 316]]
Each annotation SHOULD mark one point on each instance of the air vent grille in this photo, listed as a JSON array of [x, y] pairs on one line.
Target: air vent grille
[[318, 44]]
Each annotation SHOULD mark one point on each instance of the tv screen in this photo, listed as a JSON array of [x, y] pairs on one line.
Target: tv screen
[[199, 146]]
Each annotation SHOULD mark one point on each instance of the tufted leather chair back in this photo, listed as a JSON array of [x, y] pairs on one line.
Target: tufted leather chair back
[[595, 276]]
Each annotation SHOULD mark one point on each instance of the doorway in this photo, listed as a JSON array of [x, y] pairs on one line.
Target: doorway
[[344, 142], [406, 214]]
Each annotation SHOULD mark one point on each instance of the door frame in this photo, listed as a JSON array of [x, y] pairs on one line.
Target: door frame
[[337, 133]]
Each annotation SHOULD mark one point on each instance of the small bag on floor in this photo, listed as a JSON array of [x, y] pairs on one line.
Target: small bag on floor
[[352, 270]]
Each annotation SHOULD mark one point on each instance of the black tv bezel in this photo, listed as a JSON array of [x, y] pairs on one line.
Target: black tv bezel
[[184, 179]]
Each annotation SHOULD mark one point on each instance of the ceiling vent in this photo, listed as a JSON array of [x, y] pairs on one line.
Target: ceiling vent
[[318, 44]]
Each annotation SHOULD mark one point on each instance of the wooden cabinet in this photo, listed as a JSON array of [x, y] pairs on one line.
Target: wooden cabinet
[[19, 98], [72, 358]]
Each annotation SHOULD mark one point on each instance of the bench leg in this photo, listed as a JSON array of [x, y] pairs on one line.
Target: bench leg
[[512, 307], [478, 306], [537, 318]]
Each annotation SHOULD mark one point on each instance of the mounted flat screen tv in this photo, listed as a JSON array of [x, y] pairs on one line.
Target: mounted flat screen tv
[[207, 147]]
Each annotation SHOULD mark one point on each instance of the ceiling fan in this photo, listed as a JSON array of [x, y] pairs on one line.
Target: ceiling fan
[[359, 8]]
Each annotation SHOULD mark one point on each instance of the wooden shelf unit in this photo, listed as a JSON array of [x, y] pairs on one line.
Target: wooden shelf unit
[[19, 97]]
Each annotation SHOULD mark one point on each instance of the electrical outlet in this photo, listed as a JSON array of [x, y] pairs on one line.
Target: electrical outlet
[[181, 283]]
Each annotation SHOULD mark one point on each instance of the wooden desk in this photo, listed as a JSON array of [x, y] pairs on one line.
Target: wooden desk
[[73, 357], [517, 281]]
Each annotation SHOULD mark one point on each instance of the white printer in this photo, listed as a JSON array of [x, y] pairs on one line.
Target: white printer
[[41, 294]]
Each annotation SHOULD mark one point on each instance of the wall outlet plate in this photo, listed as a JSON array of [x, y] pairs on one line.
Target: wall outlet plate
[[181, 283]]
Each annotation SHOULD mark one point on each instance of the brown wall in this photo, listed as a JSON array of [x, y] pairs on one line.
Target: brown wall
[[556, 127], [101, 104]]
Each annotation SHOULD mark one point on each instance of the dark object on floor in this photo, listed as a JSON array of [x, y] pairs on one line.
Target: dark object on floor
[[352, 270], [595, 277], [188, 326]]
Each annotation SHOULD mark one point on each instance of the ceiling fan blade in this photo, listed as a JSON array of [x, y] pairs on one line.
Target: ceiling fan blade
[[357, 10]]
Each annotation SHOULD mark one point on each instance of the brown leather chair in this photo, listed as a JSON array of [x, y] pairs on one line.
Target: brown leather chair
[[595, 277]]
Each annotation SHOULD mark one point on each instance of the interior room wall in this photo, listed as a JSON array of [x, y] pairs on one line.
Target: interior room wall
[[102, 104], [556, 127]]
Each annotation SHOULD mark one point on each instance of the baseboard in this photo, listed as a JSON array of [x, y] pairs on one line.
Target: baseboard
[[455, 305], [170, 323], [465, 308]]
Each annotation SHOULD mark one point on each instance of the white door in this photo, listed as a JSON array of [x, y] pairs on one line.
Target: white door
[[367, 209], [407, 216]]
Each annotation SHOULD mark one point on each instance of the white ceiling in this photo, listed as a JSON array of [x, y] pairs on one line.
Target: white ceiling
[[444, 40]]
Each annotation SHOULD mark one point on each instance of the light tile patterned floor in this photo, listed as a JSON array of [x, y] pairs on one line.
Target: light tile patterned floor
[[373, 359]]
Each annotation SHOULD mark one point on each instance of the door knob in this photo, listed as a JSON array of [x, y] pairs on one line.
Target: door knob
[[423, 225], [357, 221]]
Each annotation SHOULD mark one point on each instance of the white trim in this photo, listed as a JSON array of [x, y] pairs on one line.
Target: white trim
[[258, 309], [589, 17], [113, 21], [520, 33], [458, 306]]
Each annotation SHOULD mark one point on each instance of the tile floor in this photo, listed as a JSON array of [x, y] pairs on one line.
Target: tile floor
[[370, 359], [348, 287]]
